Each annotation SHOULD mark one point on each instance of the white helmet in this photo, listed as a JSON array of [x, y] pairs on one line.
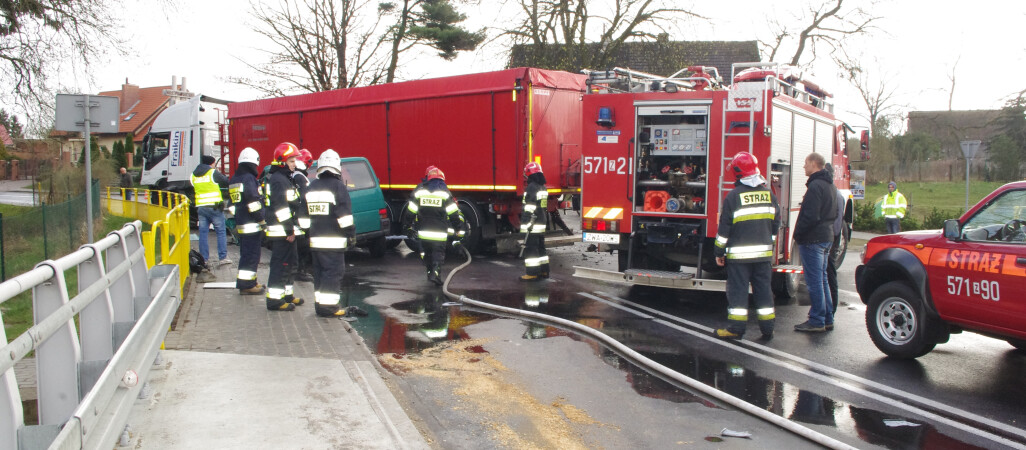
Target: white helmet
[[248, 155], [329, 161]]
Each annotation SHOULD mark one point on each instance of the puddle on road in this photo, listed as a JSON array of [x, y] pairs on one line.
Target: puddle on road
[[433, 324]]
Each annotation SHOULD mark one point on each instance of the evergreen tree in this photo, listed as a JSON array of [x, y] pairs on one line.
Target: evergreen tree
[[94, 150], [14, 127], [118, 153]]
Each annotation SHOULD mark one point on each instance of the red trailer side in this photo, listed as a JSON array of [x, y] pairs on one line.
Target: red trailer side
[[480, 129]]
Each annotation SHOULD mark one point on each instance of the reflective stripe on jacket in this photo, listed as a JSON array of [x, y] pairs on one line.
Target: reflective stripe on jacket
[[329, 212], [894, 205]]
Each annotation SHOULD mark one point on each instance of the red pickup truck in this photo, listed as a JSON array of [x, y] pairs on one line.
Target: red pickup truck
[[921, 286]]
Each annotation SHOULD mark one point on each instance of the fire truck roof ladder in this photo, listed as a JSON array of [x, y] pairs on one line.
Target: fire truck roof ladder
[[637, 81], [784, 79]]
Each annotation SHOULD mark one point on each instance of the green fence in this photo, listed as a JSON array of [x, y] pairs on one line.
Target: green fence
[[45, 232]]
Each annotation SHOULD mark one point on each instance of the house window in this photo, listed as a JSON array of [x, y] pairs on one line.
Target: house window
[[129, 117]]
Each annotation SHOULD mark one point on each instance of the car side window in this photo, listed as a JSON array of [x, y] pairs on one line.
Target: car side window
[[357, 175], [1002, 219]]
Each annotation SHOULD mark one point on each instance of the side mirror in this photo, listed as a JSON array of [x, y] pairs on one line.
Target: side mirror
[[952, 229]]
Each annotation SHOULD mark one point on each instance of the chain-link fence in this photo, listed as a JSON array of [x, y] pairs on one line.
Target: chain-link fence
[[46, 232]]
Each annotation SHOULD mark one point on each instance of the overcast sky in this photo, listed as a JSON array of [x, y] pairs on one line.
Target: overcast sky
[[915, 48]]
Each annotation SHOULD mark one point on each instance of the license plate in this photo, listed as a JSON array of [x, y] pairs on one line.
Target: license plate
[[602, 238]]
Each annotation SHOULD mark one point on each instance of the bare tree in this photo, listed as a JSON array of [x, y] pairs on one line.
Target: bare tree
[[40, 38], [875, 88], [321, 45], [826, 22], [570, 35], [951, 93]]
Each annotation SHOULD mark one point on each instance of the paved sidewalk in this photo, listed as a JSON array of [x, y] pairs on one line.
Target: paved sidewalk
[[236, 375]]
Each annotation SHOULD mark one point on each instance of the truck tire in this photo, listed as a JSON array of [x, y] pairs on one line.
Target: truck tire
[[785, 285], [898, 323], [841, 249], [394, 209], [472, 214]]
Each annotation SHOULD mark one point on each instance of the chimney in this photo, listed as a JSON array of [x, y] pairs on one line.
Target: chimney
[[129, 96]]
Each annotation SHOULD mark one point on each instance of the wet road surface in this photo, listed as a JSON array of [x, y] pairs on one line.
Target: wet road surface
[[408, 316]]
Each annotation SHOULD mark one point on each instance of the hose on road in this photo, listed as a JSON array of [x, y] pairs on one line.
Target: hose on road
[[647, 363]]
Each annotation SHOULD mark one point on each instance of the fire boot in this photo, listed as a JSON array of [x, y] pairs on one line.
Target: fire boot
[[433, 276]]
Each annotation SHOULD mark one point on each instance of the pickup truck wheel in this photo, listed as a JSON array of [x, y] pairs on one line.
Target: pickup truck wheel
[[897, 322]]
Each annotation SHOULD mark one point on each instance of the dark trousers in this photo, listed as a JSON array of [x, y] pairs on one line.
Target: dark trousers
[[283, 268], [832, 272], [893, 225], [433, 254], [249, 258], [328, 269], [304, 253], [739, 277], [536, 261]]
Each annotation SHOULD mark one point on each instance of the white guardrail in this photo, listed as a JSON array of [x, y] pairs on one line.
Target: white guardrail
[[87, 380]]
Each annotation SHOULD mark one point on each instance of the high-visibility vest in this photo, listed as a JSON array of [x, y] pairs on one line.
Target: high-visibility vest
[[894, 205], [207, 191]]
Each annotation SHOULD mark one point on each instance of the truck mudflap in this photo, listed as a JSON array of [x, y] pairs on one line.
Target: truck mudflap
[[665, 279]]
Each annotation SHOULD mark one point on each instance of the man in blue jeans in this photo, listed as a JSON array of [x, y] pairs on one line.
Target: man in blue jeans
[[207, 184], [814, 234]]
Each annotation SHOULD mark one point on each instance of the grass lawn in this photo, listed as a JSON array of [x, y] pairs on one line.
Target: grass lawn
[[17, 312], [945, 196]]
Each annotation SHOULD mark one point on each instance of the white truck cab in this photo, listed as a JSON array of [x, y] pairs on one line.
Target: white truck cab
[[179, 136]]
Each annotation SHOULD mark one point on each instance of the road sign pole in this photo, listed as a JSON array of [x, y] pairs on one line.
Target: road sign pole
[[967, 184], [88, 172], [969, 148]]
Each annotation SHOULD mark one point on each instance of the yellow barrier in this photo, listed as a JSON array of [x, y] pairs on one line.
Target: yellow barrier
[[167, 241]]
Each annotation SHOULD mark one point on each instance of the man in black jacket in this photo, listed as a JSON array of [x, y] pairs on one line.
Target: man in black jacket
[[331, 232], [745, 243], [248, 208], [814, 234], [282, 228]]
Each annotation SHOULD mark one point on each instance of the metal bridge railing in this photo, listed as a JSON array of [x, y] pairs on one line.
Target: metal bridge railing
[[87, 378], [167, 242]]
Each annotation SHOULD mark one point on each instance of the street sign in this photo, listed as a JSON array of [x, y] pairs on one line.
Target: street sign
[[970, 147], [103, 113]]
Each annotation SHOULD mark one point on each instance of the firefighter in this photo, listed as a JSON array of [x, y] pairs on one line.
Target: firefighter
[[533, 221], [745, 243], [894, 206], [301, 179], [207, 184], [435, 219], [247, 207], [331, 232], [280, 196]]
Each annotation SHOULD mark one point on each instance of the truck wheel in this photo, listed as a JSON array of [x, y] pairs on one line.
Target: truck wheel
[[472, 214], [785, 285], [897, 322], [397, 225], [841, 249]]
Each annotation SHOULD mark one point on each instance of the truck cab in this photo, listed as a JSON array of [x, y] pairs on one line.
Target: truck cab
[[179, 136], [922, 286]]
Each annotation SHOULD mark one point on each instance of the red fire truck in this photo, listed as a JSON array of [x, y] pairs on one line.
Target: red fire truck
[[480, 129], [654, 154]]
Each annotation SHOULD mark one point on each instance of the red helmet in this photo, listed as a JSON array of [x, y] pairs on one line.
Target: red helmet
[[283, 152], [306, 157], [743, 165], [532, 168], [433, 172]]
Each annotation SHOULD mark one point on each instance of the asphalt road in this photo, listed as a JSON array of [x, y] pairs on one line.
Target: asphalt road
[[974, 373]]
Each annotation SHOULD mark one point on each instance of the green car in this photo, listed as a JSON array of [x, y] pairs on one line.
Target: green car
[[370, 213]]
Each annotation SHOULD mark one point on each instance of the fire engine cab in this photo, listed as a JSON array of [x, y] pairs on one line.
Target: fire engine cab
[[654, 153]]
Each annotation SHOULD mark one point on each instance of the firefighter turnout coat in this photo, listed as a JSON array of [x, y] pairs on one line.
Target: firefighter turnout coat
[[437, 216], [281, 199], [748, 225], [247, 205], [329, 213], [535, 216]]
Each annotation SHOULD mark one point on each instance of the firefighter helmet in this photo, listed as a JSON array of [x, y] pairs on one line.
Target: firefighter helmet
[[532, 168], [743, 165], [304, 159], [283, 152], [433, 172], [329, 161], [249, 155]]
